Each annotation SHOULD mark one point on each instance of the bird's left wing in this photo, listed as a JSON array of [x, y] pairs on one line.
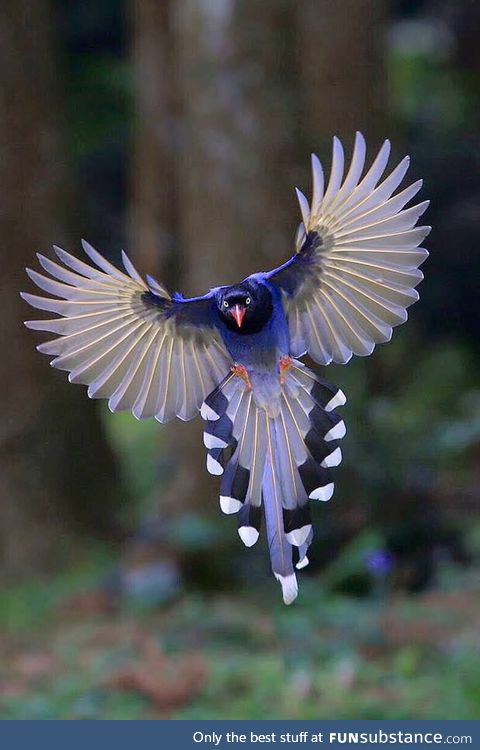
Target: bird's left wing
[[356, 266], [128, 340]]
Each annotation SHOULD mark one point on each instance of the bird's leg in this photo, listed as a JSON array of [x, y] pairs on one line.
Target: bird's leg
[[285, 364], [242, 372]]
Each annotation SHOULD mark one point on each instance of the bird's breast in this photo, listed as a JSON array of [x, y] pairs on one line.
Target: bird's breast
[[260, 353], [267, 390], [260, 356]]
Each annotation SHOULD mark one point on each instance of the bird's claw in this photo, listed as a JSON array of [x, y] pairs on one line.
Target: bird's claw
[[286, 363], [242, 372]]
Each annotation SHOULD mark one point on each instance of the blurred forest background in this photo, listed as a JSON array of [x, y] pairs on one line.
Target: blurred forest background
[[177, 129]]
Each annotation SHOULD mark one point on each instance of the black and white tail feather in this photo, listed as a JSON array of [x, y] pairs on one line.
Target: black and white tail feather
[[277, 464]]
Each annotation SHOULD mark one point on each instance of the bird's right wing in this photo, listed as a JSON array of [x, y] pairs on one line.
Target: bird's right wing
[[356, 266], [129, 341]]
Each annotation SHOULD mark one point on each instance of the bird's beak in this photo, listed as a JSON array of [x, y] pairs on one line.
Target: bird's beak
[[238, 312]]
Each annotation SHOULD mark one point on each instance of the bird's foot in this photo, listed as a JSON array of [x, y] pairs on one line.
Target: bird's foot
[[242, 372], [285, 364]]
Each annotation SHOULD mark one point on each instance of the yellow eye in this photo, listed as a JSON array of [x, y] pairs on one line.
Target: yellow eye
[[225, 303], [247, 301]]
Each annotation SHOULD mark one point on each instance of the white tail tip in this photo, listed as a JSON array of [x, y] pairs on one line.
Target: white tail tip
[[289, 587], [337, 432], [302, 563], [206, 412], [298, 536], [229, 505], [212, 441], [322, 493], [213, 467], [248, 535], [333, 459], [338, 400]]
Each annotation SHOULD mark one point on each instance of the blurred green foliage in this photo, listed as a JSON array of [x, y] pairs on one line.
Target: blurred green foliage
[[327, 656], [97, 103], [411, 408], [139, 447]]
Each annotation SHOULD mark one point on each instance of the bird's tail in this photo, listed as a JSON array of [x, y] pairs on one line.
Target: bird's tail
[[280, 461]]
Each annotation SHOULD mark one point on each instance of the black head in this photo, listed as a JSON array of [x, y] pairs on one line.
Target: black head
[[245, 308]]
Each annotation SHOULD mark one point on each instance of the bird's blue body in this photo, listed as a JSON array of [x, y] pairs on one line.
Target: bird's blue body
[[260, 351]]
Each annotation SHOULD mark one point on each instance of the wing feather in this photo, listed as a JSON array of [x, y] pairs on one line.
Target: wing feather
[[147, 398], [354, 276], [124, 396], [129, 341]]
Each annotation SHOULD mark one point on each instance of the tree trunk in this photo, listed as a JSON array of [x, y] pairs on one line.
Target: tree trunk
[[153, 216], [343, 74], [55, 468], [215, 141]]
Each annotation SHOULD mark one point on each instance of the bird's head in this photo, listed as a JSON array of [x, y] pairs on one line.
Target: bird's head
[[246, 307]]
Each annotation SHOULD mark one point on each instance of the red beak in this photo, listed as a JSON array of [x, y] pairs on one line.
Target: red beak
[[238, 312]]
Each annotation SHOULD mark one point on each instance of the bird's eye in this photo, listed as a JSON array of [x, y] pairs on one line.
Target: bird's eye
[[247, 301], [225, 303]]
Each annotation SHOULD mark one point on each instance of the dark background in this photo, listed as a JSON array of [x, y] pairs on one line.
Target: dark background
[[178, 129]]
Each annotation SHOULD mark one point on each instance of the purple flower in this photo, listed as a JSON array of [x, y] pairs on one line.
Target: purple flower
[[379, 562]]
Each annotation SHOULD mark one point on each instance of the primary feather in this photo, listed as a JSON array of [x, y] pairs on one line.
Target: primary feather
[[128, 341], [271, 427], [356, 269]]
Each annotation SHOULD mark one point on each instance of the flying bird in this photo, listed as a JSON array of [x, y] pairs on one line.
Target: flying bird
[[271, 423]]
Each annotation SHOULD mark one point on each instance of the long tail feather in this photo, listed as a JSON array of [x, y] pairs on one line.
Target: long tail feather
[[281, 459], [279, 546]]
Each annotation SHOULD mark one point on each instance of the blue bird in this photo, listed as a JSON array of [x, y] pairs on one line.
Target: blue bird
[[271, 423]]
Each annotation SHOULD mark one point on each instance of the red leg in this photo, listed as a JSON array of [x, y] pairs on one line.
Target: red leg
[[285, 364], [242, 372]]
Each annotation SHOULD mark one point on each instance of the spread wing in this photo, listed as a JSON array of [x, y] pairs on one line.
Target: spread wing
[[128, 340], [356, 266]]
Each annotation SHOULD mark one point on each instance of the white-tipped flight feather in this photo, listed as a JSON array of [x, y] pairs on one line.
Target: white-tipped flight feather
[[363, 272], [113, 339]]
